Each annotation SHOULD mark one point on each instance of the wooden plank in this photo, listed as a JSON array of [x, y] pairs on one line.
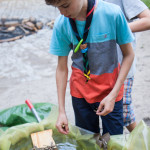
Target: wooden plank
[[42, 139]]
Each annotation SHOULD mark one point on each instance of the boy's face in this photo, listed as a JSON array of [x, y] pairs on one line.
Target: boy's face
[[70, 8]]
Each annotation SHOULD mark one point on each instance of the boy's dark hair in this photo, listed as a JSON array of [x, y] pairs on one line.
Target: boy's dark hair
[[52, 2]]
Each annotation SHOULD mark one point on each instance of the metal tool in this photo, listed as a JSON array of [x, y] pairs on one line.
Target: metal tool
[[33, 110]]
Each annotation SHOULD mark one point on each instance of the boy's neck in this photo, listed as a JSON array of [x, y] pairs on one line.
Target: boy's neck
[[82, 14]]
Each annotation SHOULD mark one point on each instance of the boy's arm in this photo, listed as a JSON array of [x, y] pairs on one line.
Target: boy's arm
[[61, 80], [143, 23], [107, 104]]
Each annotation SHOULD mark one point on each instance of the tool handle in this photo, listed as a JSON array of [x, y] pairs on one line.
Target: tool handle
[[33, 110], [29, 104]]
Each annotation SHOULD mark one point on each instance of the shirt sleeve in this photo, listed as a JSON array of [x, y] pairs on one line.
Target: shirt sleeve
[[59, 45], [123, 32], [133, 8]]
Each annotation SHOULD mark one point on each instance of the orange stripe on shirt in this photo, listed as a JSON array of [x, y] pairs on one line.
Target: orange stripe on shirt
[[97, 88]]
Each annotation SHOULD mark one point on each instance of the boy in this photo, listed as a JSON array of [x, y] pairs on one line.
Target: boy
[[132, 10], [97, 79]]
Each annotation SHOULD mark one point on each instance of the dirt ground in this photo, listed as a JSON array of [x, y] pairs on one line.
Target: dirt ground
[[27, 70]]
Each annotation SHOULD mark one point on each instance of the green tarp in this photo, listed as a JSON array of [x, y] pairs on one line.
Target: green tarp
[[18, 123]]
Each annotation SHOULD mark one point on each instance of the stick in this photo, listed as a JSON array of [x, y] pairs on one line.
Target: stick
[[25, 31], [11, 39]]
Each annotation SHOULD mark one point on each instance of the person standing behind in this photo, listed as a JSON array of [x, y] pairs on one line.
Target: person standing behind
[[138, 17]]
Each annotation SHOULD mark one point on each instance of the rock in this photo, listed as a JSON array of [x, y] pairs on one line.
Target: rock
[[30, 24], [39, 25], [51, 24], [25, 20], [32, 19], [11, 28]]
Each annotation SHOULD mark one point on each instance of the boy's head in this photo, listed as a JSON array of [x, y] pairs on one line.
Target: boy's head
[[68, 8], [52, 2]]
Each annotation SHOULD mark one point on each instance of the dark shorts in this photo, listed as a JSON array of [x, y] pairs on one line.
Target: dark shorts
[[85, 117]]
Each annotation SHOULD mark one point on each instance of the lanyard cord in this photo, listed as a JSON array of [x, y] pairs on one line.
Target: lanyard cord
[[83, 47], [90, 10]]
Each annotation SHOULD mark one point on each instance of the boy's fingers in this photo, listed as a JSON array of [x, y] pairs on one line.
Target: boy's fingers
[[103, 113], [67, 128], [100, 108], [63, 129]]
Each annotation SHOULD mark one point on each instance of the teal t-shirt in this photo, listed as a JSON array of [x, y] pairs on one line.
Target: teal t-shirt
[[108, 27], [107, 19]]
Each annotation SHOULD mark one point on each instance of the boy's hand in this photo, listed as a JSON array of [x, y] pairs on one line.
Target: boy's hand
[[62, 124], [106, 106]]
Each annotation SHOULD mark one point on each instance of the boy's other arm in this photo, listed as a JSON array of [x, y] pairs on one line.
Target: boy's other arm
[[107, 104], [61, 81], [143, 23]]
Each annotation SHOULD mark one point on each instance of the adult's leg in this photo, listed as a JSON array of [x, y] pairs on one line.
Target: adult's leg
[[113, 122], [128, 113], [85, 117]]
